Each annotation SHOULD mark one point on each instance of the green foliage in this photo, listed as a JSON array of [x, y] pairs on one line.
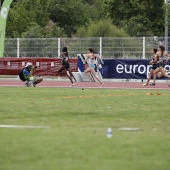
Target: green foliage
[[136, 30], [101, 28], [18, 20], [52, 30], [68, 14], [148, 13], [34, 31], [169, 18], [94, 10], [75, 17], [23, 14], [81, 32]]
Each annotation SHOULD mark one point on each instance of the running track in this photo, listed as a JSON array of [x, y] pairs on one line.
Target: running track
[[66, 84]]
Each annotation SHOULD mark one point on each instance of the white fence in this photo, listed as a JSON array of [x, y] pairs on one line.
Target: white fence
[[108, 47]]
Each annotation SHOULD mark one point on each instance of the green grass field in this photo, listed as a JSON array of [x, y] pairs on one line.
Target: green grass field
[[76, 122]]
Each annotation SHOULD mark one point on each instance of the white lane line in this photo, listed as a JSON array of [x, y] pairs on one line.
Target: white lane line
[[128, 128], [22, 126]]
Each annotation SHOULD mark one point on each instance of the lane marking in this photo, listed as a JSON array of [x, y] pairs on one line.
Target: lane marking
[[128, 128], [23, 126]]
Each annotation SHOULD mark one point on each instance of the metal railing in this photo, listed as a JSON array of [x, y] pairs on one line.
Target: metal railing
[[108, 47]]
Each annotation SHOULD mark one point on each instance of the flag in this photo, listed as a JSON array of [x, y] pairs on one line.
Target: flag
[[3, 18]]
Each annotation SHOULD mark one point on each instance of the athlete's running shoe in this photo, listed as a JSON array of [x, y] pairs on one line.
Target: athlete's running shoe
[[102, 84], [152, 84], [145, 84], [91, 80], [72, 85]]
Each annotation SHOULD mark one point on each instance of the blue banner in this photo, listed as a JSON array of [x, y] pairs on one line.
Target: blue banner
[[127, 68]]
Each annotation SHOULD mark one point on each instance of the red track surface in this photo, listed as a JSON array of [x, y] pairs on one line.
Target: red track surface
[[67, 84]]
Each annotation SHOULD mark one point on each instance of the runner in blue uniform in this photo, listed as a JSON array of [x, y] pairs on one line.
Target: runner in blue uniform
[[90, 59]]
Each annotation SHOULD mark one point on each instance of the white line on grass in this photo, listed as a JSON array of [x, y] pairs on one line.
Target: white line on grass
[[22, 126], [128, 128]]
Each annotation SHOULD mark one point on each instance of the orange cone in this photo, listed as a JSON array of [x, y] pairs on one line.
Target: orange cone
[[149, 93], [157, 93]]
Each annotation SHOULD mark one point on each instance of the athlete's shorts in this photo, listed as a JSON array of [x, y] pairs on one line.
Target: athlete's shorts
[[93, 65], [154, 66], [162, 64], [29, 83], [65, 63]]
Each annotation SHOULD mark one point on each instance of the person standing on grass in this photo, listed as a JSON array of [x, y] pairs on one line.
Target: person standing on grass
[[65, 65], [161, 60], [90, 59], [154, 66], [28, 74]]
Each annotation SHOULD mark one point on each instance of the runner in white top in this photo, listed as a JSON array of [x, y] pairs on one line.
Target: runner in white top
[[90, 59]]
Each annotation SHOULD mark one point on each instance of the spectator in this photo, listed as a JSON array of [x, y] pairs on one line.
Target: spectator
[[28, 74]]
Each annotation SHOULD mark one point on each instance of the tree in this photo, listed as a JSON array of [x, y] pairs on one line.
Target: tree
[[101, 28], [34, 31], [52, 30], [23, 14], [148, 13], [168, 20], [94, 9], [68, 14]]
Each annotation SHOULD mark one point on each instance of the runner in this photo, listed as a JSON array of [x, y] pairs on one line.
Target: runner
[[161, 60], [66, 65], [154, 66], [90, 59]]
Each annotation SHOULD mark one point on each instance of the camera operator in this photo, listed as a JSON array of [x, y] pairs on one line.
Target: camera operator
[[28, 74]]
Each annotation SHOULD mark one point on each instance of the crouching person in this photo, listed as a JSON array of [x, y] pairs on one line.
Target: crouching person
[[28, 72]]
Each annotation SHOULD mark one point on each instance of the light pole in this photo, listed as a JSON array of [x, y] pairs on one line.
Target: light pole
[[166, 26]]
